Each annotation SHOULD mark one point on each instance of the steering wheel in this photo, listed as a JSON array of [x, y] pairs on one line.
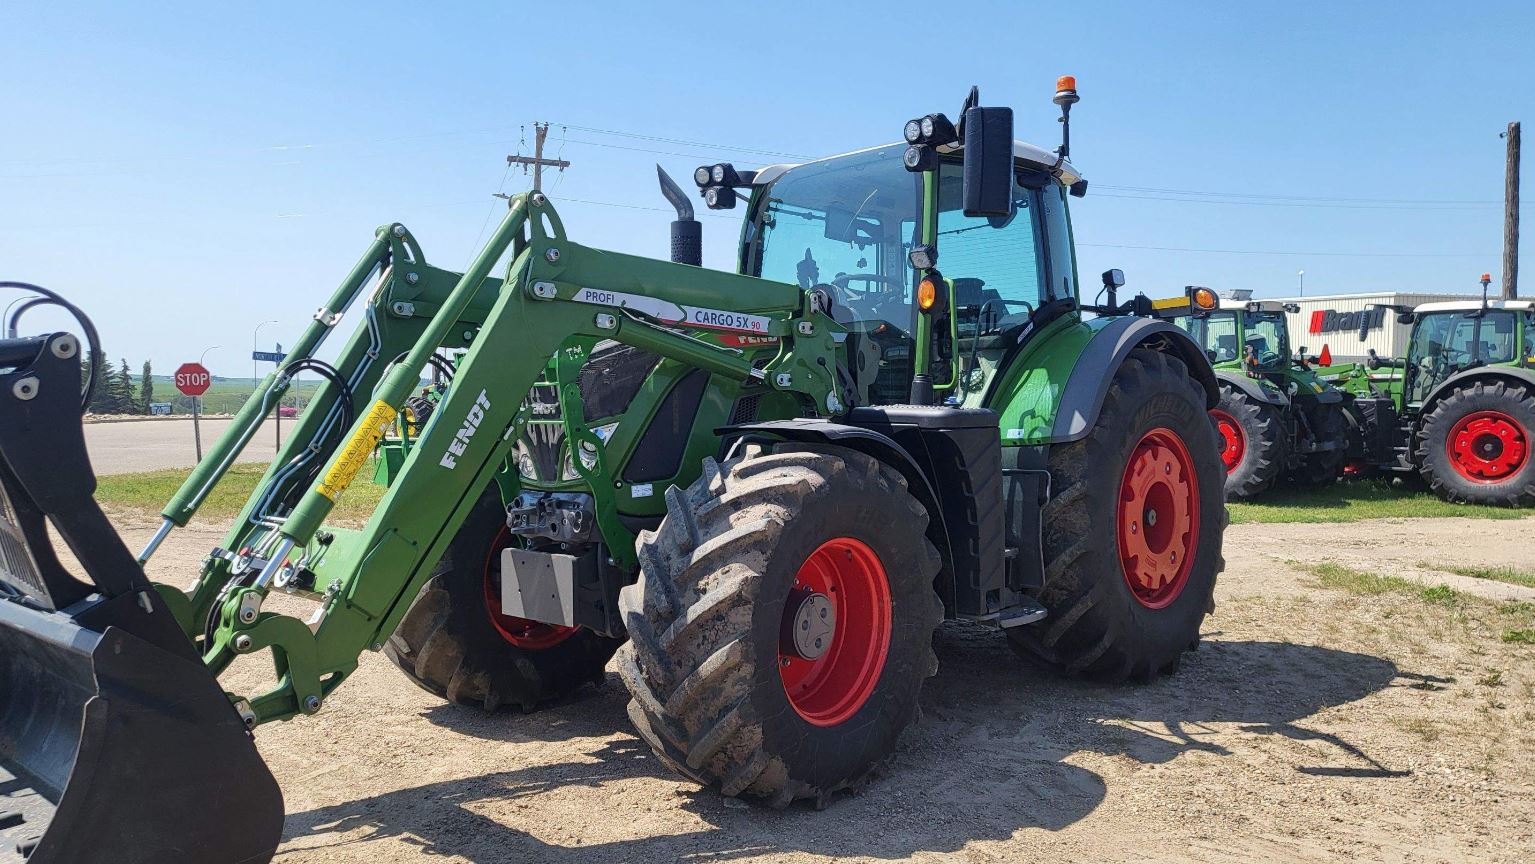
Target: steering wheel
[[842, 280]]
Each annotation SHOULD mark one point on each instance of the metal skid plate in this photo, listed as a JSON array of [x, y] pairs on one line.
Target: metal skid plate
[[541, 586]]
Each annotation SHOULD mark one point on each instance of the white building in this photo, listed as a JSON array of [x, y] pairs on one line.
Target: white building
[[1332, 321]]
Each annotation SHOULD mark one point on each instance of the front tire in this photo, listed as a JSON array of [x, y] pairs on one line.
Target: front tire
[[1133, 530], [1475, 445], [729, 686], [1252, 442], [454, 643]]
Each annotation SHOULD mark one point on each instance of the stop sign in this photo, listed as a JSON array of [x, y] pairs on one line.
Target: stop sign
[[192, 379]]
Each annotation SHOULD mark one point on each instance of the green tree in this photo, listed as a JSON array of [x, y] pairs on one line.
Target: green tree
[[146, 389], [101, 399], [120, 399]]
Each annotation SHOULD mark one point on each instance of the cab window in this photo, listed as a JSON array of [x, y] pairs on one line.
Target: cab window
[[1217, 333], [1267, 339]]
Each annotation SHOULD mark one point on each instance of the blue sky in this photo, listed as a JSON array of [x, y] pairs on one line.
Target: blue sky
[[185, 172]]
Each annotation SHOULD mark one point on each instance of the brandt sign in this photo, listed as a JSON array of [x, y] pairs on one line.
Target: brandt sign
[[1333, 321]]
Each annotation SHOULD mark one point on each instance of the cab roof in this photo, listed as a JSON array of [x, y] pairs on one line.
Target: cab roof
[[1037, 157], [1473, 305]]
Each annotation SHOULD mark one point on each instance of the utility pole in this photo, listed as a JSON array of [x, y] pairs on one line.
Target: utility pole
[[537, 160], [1511, 214]]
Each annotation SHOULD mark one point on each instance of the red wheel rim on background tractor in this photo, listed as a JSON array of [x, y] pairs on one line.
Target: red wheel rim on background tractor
[[525, 634], [1233, 443], [835, 631], [1487, 446], [1158, 518]]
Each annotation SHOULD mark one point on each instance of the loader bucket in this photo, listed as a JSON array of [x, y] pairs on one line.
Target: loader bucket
[[117, 744]]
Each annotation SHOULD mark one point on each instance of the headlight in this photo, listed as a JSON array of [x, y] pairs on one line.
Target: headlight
[[912, 132], [701, 175], [717, 174], [927, 127], [588, 455], [525, 466], [568, 468]]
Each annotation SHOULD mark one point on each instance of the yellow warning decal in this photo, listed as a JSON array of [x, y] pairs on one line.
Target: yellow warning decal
[[1170, 302], [374, 424]]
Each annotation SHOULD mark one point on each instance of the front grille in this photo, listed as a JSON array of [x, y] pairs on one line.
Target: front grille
[[611, 377]]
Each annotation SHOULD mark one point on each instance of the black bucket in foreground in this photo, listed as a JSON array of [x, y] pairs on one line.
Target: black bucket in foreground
[[113, 750], [117, 745]]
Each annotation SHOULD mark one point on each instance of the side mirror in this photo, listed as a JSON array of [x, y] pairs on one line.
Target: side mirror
[[988, 189], [1406, 318], [1114, 278], [1301, 351]]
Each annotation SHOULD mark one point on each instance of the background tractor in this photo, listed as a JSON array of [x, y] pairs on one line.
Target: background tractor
[[764, 490], [1459, 409], [1277, 418]]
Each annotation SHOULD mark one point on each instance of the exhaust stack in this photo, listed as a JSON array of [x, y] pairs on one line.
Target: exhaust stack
[[687, 232]]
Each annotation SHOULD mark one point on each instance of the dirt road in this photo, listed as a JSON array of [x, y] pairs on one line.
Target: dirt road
[[1311, 725], [149, 445]]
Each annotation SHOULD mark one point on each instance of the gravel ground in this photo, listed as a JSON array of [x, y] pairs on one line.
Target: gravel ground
[[1311, 725]]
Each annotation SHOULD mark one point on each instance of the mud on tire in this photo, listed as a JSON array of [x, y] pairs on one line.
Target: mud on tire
[[1496, 415], [706, 621], [1097, 626], [448, 645]]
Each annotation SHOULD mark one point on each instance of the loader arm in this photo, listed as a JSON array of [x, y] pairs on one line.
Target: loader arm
[[555, 296]]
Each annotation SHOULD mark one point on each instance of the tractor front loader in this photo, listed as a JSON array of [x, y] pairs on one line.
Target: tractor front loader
[[769, 488]]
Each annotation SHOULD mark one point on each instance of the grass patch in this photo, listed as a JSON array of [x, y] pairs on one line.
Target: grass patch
[[1513, 622], [1361, 582], [1510, 575], [1358, 499], [150, 490]]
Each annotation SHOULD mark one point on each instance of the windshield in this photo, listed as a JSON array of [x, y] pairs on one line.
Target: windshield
[[844, 224], [1217, 333], [1266, 343], [1261, 341], [1444, 343]]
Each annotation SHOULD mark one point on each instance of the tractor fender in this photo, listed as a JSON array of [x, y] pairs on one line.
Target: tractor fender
[[870, 441], [1088, 384], [1511, 374], [1252, 389], [876, 444]]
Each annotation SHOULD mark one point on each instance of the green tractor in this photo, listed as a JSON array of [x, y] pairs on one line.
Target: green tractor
[[763, 490], [1277, 418], [1459, 409]]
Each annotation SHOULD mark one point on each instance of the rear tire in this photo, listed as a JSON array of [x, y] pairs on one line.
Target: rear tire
[[711, 661], [1476, 445], [451, 645], [1252, 443], [1099, 625]]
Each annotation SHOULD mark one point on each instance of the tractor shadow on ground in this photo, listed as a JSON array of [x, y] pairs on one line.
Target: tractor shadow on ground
[[987, 761]]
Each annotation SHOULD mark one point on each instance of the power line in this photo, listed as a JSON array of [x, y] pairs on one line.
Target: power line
[[1153, 189], [1279, 252], [686, 143], [1314, 205]]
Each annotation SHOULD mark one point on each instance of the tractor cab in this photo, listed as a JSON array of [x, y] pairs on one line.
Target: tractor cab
[[846, 228], [1450, 338], [1235, 332]]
